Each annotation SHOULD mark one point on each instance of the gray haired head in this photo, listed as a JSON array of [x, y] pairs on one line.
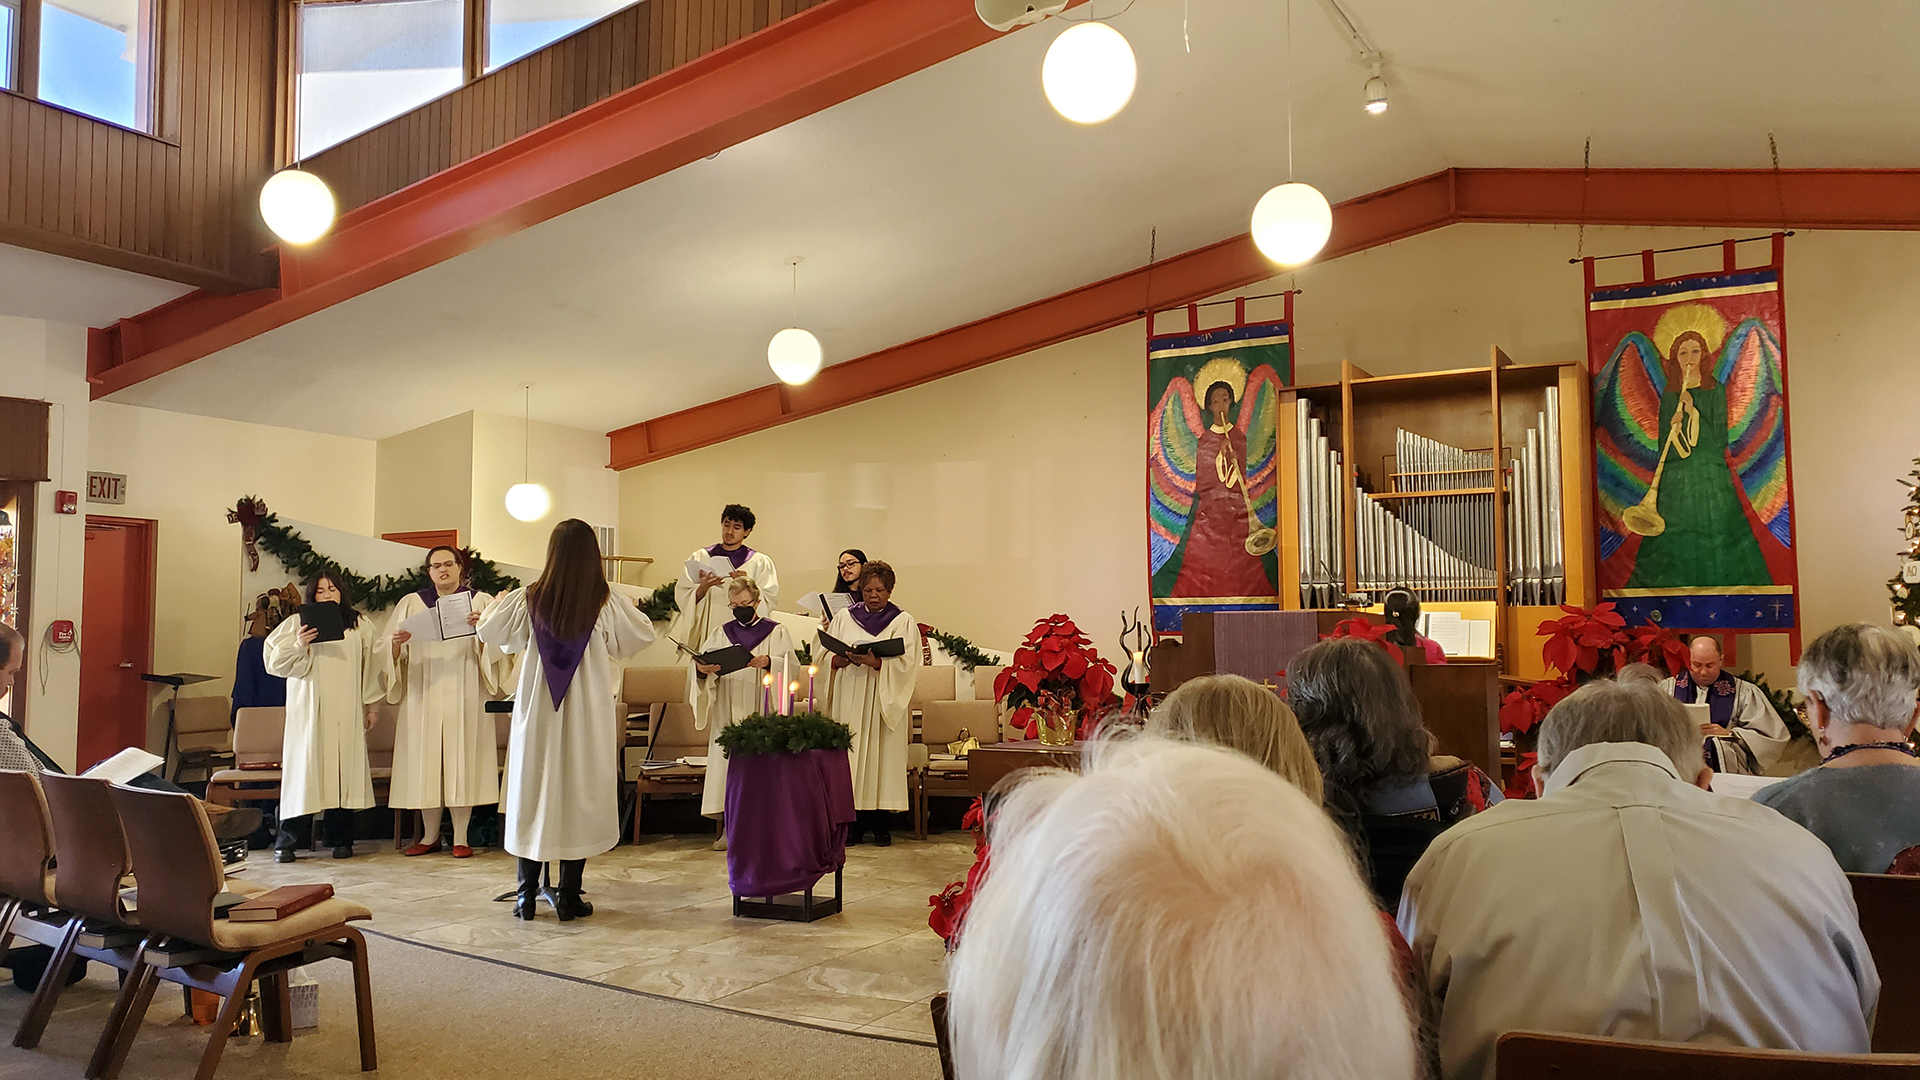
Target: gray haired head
[[1865, 673], [1605, 711]]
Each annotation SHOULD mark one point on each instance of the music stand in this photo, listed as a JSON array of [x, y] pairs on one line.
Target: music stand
[[176, 680]]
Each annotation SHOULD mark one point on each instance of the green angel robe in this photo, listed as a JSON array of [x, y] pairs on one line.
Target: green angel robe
[[1708, 541]]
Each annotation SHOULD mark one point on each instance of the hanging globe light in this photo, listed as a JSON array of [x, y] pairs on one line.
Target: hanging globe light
[[1089, 73], [794, 354], [1291, 223], [528, 502], [298, 206]]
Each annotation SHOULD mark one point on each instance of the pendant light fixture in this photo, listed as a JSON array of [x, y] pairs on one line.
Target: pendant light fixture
[[1291, 222], [527, 501], [1089, 72], [794, 354], [297, 205]]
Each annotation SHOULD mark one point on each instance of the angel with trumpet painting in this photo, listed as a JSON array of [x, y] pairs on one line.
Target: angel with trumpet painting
[[1211, 499], [1690, 434]]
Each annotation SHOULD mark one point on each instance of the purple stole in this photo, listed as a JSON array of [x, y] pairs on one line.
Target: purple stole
[[749, 637], [1720, 696], [559, 657], [873, 621], [738, 556], [430, 596]]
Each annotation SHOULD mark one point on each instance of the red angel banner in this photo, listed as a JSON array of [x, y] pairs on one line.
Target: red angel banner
[[1691, 470]]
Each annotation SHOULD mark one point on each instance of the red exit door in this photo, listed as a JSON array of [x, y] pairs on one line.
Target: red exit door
[[116, 637]]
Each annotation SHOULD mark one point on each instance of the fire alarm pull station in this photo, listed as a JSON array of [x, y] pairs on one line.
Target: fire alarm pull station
[[60, 631], [66, 502]]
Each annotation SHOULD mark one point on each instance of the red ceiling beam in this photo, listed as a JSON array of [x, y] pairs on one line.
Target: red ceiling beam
[[1707, 198], [811, 61]]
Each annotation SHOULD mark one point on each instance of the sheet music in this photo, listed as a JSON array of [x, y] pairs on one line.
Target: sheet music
[[1741, 787], [1449, 631], [453, 616], [712, 564], [1479, 637], [423, 624], [825, 605], [124, 766]]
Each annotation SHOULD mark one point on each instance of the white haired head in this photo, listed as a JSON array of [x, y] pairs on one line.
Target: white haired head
[[1605, 711], [1864, 674], [1176, 910]]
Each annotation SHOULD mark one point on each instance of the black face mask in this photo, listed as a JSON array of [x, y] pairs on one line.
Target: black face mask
[[744, 614]]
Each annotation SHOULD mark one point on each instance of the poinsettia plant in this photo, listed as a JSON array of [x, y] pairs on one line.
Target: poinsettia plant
[[1056, 668], [950, 904], [1357, 627]]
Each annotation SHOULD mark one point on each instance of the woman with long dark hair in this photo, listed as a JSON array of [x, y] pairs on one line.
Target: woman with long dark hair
[[562, 793], [330, 686], [847, 570]]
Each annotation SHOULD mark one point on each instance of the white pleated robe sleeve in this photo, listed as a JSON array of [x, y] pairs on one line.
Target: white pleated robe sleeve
[[561, 795], [697, 621], [323, 755], [721, 700], [444, 751], [877, 706]]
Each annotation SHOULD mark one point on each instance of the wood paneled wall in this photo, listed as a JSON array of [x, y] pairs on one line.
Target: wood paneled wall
[[179, 204], [620, 51]]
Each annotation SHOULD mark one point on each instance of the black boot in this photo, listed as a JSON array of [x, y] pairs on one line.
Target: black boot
[[566, 900], [883, 828], [528, 900], [858, 829]]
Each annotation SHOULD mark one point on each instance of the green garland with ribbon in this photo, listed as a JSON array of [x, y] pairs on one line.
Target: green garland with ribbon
[[764, 733], [965, 653], [373, 594], [660, 606]]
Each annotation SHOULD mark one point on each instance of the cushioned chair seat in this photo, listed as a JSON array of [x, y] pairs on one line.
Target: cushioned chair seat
[[676, 772], [246, 936], [244, 776]]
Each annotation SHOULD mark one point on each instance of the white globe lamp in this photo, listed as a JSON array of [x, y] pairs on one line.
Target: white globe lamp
[[1089, 73], [298, 206], [794, 355], [528, 502], [1291, 223]]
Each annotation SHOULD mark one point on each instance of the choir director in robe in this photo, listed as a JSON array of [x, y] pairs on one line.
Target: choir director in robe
[[445, 753], [330, 686], [721, 700], [703, 604], [562, 791], [872, 695], [1743, 733]]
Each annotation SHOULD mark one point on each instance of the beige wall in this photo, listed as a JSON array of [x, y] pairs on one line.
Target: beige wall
[[570, 462], [424, 479], [1016, 490]]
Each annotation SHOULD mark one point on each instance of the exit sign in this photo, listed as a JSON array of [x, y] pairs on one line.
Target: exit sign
[[105, 487]]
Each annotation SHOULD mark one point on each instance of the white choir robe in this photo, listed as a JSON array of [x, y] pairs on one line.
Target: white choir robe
[[696, 622], [323, 755], [720, 700], [561, 798], [1753, 724], [877, 706], [445, 752]]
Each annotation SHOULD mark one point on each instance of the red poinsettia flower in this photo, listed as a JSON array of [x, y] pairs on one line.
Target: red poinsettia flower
[[1056, 665], [1367, 631], [1523, 709], [1521, 785]]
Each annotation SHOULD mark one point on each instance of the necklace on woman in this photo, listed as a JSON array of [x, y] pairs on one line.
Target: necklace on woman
[[1842, 751]]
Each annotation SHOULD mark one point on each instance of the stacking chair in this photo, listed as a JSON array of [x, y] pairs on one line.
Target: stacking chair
[[1887, 903], [88, 876], [1540, 1055], [258, 732], [941, 723], [26, 860], [202, 735], [178, 866], [673, 737]]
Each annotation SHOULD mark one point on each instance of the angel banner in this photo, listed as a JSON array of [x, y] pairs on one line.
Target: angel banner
[[1212, 433], [1694, 501]]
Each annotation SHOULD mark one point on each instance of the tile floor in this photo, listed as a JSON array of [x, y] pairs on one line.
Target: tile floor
[[663, 924]]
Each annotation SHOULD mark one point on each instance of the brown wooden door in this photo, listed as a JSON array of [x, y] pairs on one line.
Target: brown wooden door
[[428, 539], [116, 637]]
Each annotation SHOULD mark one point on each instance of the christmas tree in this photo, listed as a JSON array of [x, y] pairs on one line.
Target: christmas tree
[[1903, 589]]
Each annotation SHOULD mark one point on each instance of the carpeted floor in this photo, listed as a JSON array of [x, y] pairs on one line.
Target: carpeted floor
[[441, 1014]]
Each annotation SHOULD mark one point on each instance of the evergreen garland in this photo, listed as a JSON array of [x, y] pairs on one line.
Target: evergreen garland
[[764, 733], [965, 653], [1903, 597], [660, 605], [372, 594]]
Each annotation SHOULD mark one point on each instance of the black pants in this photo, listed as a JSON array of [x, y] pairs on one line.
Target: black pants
[[336, 829]]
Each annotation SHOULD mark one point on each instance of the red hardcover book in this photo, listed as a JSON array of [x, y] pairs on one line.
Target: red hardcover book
[[280, 903]]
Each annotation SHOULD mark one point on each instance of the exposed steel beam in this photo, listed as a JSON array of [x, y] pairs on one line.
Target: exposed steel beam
[[798, 66], [1705, 198]]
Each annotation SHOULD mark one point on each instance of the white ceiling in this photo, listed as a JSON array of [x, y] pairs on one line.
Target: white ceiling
[[957, 193], [35, 285]]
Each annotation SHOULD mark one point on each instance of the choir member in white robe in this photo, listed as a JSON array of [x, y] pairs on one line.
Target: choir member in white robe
[[703, 604], [1743, 733], [330, 684], [872, 696], [561, 798], [445, 753], [720, 701]]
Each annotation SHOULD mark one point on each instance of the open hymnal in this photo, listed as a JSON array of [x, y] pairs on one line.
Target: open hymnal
[[709, 564], [1740, 787], [124, 766], [825, 605], [882, 649], [326, 618], [731, 659], [1458, 636]]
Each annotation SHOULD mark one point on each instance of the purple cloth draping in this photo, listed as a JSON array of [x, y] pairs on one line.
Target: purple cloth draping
[[874, 621], [738, 556], [559, 658], [787, 818], [1720, 695], [749, 636]]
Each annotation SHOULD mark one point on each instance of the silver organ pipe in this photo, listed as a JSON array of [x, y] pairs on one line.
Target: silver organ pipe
[[1536, 546]]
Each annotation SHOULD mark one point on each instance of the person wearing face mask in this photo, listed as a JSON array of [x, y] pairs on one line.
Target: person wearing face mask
[[703, 600], [720, 700], [872, 696], [330, 686], [445, 751]]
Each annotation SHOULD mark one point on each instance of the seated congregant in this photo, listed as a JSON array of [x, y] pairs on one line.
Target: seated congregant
[[1175, 910], [1401, 609], [1863, 802], [1627, 901], [1382, 783], [1742, 733], [1240, 714]]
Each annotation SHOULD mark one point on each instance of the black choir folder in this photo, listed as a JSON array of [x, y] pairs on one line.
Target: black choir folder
[[731, 659], [883, 649], [325, 618]]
